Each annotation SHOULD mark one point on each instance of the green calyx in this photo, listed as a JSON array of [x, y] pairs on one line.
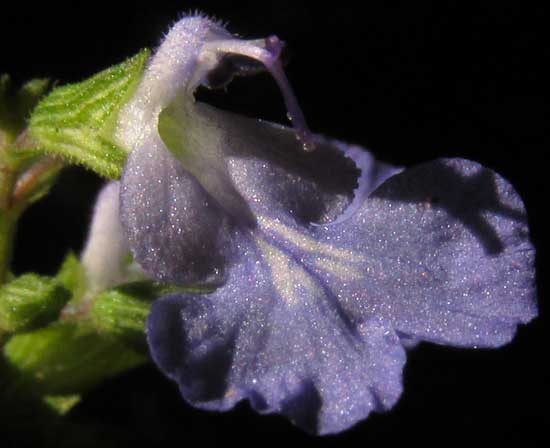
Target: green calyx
[[77, 121], [30, 301], [121, 312], [58, 342]]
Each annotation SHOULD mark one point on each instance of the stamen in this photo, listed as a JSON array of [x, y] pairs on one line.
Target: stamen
[[268, 52]]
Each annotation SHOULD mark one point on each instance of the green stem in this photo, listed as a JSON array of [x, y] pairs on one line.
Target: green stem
[[8, 225], [8, 221]]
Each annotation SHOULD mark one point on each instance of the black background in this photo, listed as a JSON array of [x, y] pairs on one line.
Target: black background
[[412, 81]]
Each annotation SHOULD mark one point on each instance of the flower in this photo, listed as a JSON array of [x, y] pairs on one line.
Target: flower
[[324, 264]]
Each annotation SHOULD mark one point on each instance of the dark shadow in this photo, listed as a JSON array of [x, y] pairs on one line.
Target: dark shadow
[[303, 408], [439, 185], [28, 421], [205, 377], [257, 401]]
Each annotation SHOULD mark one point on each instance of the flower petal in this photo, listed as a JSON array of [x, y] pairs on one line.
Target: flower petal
[[176, 231], [271, 171], [237, 167], [447, 256], [313, 321], [264, 161], [276, 336]]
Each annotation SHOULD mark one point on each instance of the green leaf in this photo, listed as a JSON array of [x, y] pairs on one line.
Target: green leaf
[[30, 301], [77, 121], [66, 358]]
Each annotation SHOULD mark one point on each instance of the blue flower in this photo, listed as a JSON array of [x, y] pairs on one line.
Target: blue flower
[[323, 264]]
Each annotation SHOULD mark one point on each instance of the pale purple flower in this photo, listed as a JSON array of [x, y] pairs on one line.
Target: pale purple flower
[[324, 264]]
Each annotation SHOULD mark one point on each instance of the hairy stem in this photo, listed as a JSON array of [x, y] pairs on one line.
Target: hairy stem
[[31, 180]]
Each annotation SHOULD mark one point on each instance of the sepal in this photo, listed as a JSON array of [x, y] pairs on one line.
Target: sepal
[[121, 312], [30, 301], [77, 121]]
